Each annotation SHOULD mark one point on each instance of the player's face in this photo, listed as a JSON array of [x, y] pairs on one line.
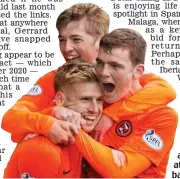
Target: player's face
[[76, 43], [86, 99], [115, 71]]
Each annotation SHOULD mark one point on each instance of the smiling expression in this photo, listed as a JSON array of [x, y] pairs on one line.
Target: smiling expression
[[76, 43], [86, 99]]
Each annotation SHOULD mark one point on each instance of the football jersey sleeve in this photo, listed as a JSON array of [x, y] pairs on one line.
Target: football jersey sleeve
[[156, 91], [25, 117], [154, 136], [111, 163]]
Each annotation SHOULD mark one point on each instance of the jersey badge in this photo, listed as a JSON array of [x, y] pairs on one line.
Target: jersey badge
[[152, 139], [35, 90], [124, 128]]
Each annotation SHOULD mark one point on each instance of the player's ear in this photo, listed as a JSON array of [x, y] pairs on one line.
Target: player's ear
[[59, 98], [96, 44], [138, 71]]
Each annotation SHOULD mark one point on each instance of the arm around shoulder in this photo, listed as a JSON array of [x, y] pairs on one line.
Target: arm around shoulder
[[25, 116]]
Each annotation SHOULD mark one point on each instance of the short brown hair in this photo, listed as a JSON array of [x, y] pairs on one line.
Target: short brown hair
[[97, 19], [74, 72], [127, 39]]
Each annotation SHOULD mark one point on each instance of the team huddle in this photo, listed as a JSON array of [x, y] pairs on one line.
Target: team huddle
[[98, 115]]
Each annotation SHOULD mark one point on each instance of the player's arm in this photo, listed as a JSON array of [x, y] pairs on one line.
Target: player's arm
[[111, 163], [138, 153], [24, 117], [155, 91]]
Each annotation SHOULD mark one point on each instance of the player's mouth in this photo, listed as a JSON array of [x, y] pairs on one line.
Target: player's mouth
[[69, 58], [108, 87], [89, 118]]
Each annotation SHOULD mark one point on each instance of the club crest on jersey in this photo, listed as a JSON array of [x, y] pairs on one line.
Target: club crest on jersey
[[124, 128], [35, 90], [152, 139]]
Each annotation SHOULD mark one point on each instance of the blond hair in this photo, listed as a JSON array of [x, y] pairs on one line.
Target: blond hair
[[74, 72]]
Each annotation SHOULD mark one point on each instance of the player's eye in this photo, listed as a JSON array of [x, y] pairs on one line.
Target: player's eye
[[99, 63], [85, 99], [77, 40]]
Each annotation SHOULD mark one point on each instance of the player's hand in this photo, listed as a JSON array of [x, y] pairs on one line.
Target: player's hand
[[104, 124], [63, 132], [68, 115]]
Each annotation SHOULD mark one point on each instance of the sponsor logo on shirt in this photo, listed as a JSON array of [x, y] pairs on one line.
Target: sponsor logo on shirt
[[124, 128], [152, 139], [65, 172], [35, 90]]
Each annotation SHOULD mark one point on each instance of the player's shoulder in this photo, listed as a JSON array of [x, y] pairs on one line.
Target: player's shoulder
[[50, 73], [47, 76], [163, 109], [163, 113]]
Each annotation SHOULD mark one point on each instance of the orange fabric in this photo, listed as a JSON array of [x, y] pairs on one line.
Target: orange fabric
[[35, 123], [101, 158], [24, 117], [144, 139], [155, 91], [42, 159], [51, 159], [110, 139]]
